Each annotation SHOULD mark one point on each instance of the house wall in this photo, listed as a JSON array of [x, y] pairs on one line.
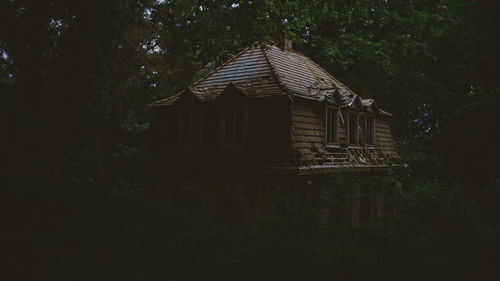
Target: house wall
[[308, 133], [280, 134], [268, 138], [276, 130], [268, 132], [383, 136]]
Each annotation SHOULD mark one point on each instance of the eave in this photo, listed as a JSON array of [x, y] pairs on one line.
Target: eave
[[283, 170]]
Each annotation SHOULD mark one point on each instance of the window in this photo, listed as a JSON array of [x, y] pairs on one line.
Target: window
[[367, 123], [353, 128], [332, 125], [233, 123], [370, 129], [190, 123], [362, 124]]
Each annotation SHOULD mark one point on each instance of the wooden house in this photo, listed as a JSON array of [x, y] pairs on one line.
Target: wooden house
[[268, 117]]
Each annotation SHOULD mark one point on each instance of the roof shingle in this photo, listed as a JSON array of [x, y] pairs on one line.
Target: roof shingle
[[270, 71]]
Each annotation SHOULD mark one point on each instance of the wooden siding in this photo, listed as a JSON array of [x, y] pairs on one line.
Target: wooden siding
[[308, 132], [308, 138], [280, 134], [383, 137], [342, 132]]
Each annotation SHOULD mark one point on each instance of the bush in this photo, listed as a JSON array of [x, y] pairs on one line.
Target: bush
[[82, 233]]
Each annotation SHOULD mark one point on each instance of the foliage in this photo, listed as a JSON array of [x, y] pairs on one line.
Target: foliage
[[76, 78], [430, 63], [110, 235]]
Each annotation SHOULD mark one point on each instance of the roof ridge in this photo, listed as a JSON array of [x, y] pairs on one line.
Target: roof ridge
[[274, 71], [224, 64]]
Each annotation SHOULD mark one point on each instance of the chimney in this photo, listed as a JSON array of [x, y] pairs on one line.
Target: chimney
[[287, 44]]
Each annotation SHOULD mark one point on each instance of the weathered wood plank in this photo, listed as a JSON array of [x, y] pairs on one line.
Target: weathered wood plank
[[383, 132], [312, 120], [314, 139], [382, 127], [300, 132], [384, 138], [302, 145], [306, 113], [308, 126]]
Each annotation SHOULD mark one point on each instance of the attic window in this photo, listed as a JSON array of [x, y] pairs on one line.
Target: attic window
[[332, 126], [190, 123], [353, 128], [370, 129], [233, 125]]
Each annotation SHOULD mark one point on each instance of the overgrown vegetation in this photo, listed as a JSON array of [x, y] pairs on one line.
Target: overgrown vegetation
[[75, 81], [80, 233]]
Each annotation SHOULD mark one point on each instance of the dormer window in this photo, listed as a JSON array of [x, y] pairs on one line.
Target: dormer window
[[190, 124], [370, 130], [331, 126], [352, 128], [233, 123]]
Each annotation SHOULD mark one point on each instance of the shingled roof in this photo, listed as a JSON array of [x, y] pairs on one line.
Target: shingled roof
[[263, 70]]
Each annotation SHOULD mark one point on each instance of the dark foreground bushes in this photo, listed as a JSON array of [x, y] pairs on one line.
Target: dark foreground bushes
[[81, 233]]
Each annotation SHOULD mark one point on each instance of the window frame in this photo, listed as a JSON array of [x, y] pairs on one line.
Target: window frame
[[371, 142], [362, 124], [335, 143], [348, 129], [192, 107], [223, 129]]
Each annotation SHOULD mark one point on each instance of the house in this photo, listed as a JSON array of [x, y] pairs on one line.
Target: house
[[268, 117]]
